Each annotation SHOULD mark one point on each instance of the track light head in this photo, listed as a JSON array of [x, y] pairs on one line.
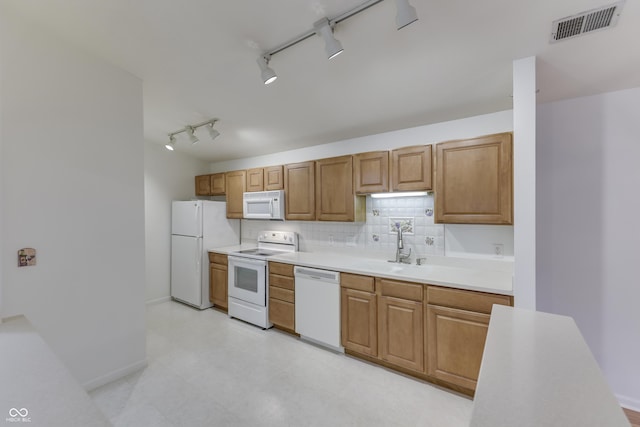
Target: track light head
[[191, 133], [267, 73], [406, 14], [172, 142], [212, 132], [331, 44]]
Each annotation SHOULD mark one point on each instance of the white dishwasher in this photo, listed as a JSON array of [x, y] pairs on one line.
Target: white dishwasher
[[318, 306]]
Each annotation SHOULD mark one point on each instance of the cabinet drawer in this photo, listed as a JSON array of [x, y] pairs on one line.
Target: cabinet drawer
[[281, 269], [403, 290], [465, 300], [281, 281], [282, 294], [282, 313], [217, 258], [357, 282]]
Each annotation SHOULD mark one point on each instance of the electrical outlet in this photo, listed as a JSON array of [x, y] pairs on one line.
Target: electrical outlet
[[498, 250], [332, 242]]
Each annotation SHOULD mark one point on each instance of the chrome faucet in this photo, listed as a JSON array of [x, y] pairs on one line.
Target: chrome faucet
[[401, 257]]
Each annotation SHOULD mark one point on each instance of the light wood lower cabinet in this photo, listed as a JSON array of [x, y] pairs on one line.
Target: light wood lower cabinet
[[218, 279], [455, 342], [401, 332], [282, 309], [431, 332], [359, 321]]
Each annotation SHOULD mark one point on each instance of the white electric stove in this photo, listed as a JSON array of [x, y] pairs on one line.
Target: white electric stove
[[249, 276]]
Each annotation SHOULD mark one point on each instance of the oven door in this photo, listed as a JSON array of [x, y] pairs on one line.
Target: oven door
[[248, 280]]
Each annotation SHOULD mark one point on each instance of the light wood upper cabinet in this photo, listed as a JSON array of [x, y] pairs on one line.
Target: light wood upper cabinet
[[474, 181], [218, 184], [236, 185], [371, 172], [335, 198], [299, 186], [255, 179], [203, 185], [411, 168], [273, 178]]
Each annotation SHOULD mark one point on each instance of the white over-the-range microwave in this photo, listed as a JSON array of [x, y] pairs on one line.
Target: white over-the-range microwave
[[263, 205]]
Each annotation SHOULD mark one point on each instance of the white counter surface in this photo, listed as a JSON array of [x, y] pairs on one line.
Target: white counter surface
[[475, 279], [33, 379], [537, 371]]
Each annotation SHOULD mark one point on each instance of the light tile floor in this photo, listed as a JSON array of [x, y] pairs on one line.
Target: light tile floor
[[208, 370]]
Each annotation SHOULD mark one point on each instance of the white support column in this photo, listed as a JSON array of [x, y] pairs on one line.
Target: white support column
[[524, 160]]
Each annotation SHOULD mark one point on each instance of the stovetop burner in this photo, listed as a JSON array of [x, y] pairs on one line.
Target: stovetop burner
[[271, 243], [260, 252]]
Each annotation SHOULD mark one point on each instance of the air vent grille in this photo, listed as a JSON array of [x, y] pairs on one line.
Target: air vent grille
[[585, 22]]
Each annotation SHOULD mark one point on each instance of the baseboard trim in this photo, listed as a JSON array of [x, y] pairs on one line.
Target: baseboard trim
[[115, 375], [629, 403], [158, 300]]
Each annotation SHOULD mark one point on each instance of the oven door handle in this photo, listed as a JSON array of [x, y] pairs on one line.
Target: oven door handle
[[240, 260]]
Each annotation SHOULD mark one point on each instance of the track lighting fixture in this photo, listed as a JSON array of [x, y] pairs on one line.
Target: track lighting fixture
[[191, 133], [331, 44], [212, 132], [190, 130], [267, 74], [406, 14], [171, 144]]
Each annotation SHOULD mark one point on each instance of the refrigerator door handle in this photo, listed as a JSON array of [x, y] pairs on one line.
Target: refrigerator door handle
[[197, 253]]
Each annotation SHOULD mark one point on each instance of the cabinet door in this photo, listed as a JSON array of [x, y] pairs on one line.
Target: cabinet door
[[217, 184], [236, 185], [371, 172], [401, 332], [358, 321], [334, 189], [255, 179], [218, 285], [203, 185], [273, 178], [455, 344], [299, 187], [282, 313], [411, 168], [474, 181]]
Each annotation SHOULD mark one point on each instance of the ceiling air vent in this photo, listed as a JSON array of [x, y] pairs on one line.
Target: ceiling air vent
[[586, 22]]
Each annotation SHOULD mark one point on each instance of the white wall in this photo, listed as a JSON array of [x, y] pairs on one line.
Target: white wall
[[524, 181], [587, 232], [72, 173], [429, 134], [167, 176]]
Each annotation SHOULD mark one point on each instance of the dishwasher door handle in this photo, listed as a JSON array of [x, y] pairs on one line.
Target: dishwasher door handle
[[315, 274]]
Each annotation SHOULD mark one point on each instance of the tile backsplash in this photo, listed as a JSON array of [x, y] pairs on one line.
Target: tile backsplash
[[373, 236], [377, 236]]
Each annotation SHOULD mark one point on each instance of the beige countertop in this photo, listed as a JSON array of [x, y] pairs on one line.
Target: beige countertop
[[538, 371], [34, 382], [471, 275]]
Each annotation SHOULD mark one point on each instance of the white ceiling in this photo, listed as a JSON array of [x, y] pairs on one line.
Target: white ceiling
[[197, 59]]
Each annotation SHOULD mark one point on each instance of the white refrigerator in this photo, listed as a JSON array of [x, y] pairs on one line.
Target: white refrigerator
[[197, 226]]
